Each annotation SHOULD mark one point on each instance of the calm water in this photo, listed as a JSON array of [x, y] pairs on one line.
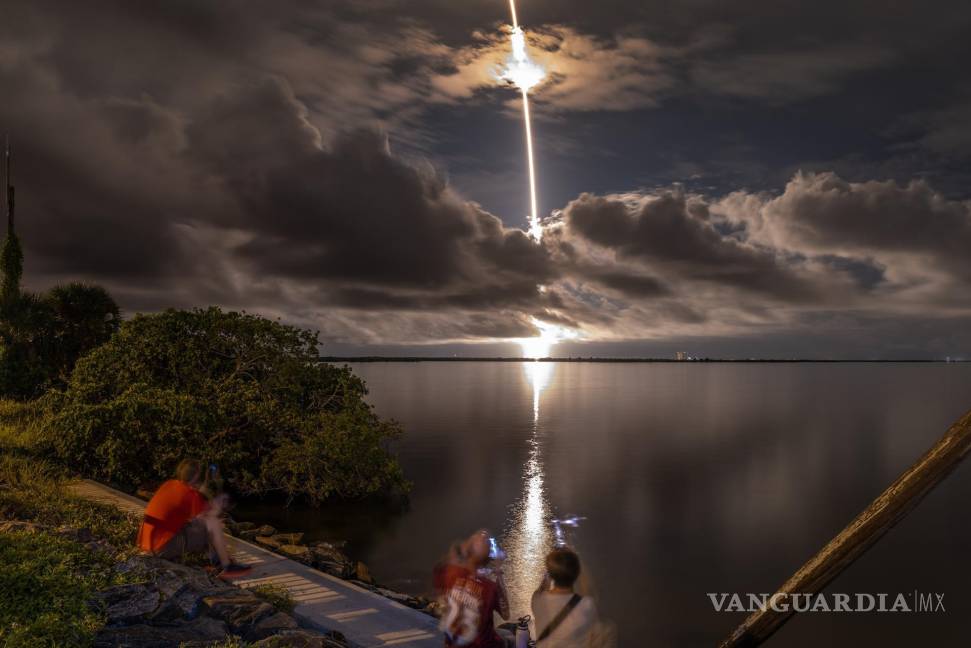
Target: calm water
[[693, 478]]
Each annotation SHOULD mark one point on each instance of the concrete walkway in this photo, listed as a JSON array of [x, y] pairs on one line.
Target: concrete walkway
[[322, 601]]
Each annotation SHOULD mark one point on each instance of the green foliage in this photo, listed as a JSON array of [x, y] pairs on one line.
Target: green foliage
[[45, 584], [42, 336], [33, 489], [276, 595], [25, 346], [46, 579], [338, 454], [232, 641], [83, 316], [21, 424], [233, 389], [11, 267]]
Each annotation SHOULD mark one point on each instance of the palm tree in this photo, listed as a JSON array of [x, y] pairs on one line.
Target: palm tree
[[84, 316]]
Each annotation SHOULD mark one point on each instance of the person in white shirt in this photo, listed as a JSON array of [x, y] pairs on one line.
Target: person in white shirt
[[562, 618]]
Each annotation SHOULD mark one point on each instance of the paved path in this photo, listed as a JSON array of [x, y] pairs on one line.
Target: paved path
[[328, 603]]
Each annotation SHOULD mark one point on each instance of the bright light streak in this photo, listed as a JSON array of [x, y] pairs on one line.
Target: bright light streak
[[549, 334], [535, 227], [522, 72]]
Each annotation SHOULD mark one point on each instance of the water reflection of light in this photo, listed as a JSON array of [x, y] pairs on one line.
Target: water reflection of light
[[529, 538], [538, 374]]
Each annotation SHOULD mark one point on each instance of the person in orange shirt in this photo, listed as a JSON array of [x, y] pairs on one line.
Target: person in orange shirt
[[179, 520]]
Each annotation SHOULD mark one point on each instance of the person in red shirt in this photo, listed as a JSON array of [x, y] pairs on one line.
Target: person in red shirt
[[179, 520], [471, 596]]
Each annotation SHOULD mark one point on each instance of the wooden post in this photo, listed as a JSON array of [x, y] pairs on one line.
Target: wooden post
[[862, 533]]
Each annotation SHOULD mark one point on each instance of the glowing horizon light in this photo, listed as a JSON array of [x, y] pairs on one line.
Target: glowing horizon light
[[522, 72], [549, 334]]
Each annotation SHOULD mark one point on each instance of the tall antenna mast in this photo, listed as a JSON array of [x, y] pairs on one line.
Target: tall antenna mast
[[8, 181]]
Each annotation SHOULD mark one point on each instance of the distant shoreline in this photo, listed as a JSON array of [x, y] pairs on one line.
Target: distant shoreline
[[334, 359]]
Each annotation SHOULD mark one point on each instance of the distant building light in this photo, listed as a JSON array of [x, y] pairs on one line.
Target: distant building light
[[681, 355]]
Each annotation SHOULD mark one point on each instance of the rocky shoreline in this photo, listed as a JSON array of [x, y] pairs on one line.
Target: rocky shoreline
[[164, 604], [327, 557]]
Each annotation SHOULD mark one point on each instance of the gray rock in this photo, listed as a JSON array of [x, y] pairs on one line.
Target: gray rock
[[169, 583], [127, 604], [363, 573], [240, 609], [328, 551], [138, 565], [271, 625], [266, 530], [297, 552], [185, 604], [341, 570], [202, 630], [196, 579], [78, 535]]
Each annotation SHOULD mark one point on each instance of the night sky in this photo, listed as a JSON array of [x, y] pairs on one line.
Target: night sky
[[733, 179]]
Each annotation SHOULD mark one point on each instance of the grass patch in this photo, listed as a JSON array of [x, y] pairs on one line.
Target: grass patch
[[46, 580], [276, 595], [34, 489], [45, 584], [21, 425], [230, 642]]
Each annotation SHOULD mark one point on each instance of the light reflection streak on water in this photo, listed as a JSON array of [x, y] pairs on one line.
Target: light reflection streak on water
[[529, 538]]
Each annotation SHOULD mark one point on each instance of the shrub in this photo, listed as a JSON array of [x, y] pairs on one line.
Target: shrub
[[84, 316], [42, 336], [233, 389]]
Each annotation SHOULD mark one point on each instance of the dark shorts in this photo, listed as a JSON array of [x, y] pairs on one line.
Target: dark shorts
[[193, 538]]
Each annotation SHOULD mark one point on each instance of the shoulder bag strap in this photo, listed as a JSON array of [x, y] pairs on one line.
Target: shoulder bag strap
[[558, 619]]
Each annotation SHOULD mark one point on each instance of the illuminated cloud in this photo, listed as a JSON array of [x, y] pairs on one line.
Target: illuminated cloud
[[270, 160], [585, 72]]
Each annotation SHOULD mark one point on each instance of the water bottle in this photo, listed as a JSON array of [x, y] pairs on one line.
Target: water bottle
[[522, 633]]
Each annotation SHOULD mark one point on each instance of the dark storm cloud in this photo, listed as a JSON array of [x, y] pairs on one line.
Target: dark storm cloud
[[670, 231], [353, 213]]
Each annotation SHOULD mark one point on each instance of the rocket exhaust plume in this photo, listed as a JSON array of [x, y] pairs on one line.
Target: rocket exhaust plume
[[522, 72]]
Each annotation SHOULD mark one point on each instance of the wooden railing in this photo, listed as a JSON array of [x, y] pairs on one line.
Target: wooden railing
[[900, 498]]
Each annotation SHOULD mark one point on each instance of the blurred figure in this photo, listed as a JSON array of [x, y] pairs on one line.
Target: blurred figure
[[179, 520], [472, 593], [563, 618]]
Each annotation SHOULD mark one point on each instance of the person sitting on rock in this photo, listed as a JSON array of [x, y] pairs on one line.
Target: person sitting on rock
[[471, 596], [179, 520]]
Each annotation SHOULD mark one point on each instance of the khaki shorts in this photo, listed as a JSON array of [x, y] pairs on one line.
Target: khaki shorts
[[193, 538]]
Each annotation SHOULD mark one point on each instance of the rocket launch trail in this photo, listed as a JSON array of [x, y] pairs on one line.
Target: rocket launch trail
[[525, 74]]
